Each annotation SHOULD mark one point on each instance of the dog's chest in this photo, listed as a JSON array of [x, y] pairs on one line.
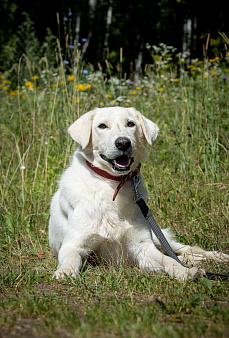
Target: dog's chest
[[92, 199], [111, 225], [113, 218]]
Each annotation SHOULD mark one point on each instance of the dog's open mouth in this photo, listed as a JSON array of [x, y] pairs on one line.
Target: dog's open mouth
[[120, 163]]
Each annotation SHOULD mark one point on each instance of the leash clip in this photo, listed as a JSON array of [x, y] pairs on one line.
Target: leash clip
[[137, 181]]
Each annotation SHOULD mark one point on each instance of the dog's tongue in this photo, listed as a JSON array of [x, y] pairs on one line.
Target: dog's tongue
[[122, 161]]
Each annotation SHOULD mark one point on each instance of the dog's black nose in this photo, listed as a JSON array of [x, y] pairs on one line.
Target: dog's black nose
[[123, 143]]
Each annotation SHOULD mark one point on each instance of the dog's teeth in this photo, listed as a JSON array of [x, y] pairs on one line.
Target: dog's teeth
[[122, 161]]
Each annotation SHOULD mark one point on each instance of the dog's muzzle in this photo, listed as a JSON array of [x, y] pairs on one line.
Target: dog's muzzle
[[122, 162], [119, 164]]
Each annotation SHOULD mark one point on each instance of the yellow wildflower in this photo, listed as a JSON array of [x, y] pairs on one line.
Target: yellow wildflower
[[29, 85], [7, 82], [176, 80], [215, 59], [13, 92], [70, 77], [82, 87], [160, 89], [35, 77], [5, 88], [3, 75], [88, 86], [137, 88]]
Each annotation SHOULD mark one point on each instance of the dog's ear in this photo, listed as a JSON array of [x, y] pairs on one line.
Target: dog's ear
[[80, 130], [149, 128]]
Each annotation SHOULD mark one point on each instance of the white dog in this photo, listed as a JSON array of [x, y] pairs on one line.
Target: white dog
[[90, 215]]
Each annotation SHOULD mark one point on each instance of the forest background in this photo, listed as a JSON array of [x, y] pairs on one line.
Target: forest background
[[101, 28]]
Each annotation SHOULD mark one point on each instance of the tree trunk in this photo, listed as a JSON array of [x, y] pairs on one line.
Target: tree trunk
[[92, 8], [107, 32]]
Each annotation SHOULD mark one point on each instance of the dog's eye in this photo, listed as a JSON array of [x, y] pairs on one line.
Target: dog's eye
[[102, 126], [130, 124]]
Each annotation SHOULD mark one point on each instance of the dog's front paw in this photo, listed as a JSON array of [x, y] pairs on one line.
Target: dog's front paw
[[64, 270]]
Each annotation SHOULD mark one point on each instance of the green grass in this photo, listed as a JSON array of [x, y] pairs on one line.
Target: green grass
[[186, 174]]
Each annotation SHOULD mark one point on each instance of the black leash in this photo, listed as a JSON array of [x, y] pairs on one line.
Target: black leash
[[159, 234]]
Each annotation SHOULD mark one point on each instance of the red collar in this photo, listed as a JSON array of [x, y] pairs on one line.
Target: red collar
[[122, 178]]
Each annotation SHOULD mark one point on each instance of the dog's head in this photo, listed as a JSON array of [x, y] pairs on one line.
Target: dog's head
[[114, 139]]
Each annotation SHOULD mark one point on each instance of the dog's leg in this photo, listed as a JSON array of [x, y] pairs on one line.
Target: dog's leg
[[70, 261], [187, 253], [148, 257], [74, 251]]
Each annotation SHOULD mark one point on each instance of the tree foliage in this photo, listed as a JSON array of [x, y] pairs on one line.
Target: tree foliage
[[109, 25]]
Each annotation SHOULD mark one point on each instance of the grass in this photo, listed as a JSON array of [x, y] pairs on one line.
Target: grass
[[186, 174]]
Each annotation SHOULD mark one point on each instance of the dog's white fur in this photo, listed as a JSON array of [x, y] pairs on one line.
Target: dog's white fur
[[85, 220]]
